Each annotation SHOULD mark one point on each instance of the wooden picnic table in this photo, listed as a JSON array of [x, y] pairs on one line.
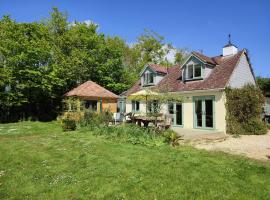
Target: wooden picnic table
[[146, 120]]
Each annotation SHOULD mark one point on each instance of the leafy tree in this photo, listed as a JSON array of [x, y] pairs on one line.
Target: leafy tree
[[152, 48], [41, 61], [264, 84], [180, 56]]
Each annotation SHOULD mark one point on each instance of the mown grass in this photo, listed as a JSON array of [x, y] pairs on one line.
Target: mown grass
[[39, 161]]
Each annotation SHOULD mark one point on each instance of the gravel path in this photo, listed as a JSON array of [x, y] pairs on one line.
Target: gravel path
[[253, 146]]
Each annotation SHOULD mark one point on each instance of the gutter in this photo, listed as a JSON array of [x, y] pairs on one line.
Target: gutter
[[200, 91]]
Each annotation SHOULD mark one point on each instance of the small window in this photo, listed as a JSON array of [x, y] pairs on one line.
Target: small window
[[148, 78], [145, 79], [135, 106], [151, 78], [190, 72], [91, 105], [193, 72], [197, 71], [153, 106]]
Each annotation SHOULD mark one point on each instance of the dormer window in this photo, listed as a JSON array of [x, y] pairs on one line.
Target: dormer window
[[148, 79], [194, 71]]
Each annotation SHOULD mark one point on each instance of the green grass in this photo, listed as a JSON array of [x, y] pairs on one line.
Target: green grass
[[39, 161]]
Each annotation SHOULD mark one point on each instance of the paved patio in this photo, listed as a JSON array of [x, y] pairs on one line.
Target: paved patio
[[188, 134], [252, 146]]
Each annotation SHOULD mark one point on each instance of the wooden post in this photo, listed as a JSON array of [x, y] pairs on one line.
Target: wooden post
[[100, 105]]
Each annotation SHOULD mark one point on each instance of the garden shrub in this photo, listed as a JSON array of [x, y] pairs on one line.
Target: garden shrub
[[91, 118], [130, 133], [171, 137], [268, 126], [255, 127], [135, 134], [68, 124], [105, 117], [244, 109], [74, 115], [98, 124]]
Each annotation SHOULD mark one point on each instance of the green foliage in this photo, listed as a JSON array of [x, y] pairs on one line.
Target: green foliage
[[264, 84], [39, 161], [171, 137], [180, 56], [255, 127], [68, 124], [92, 119], [150, 47], [106, 116], [98, 124], [130, 133], [41, 61], [244, 108], [268, 126]]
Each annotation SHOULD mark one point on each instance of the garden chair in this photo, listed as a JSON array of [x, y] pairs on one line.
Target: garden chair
[[167, 122]]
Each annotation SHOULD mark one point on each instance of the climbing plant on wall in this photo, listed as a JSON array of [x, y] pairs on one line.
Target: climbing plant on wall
[[244, 110]]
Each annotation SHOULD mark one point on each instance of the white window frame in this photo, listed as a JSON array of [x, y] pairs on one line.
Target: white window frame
[[146, 78], [135, 106], [193, 71]]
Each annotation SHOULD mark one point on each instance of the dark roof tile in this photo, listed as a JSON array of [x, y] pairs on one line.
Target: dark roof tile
[[218, 78]]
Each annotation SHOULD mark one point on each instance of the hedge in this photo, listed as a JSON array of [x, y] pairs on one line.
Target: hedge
[[244, 111]]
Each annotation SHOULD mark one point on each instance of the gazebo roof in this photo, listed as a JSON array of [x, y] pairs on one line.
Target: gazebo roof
[[91, 89]]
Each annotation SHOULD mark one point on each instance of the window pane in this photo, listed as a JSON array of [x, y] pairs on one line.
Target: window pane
[[197, 71], [198, 110], [149, 107], [190, 71], [137, 106], [170, 108], [91, 105], [155, 106], [179, 114], [171, 111], [151, 78], [145, 78], [133, 105], [209, 113]]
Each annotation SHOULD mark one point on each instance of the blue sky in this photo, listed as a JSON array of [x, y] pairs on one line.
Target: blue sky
[[196, 25]]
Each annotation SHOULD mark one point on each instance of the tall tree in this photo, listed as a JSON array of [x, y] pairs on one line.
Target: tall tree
[[41, 61], [152, 47]]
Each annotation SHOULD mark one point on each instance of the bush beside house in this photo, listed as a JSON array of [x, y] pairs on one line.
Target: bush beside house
[[98, 124], [244, 110]]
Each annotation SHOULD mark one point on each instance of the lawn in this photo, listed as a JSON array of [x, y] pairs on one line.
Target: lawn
[[39, 161]]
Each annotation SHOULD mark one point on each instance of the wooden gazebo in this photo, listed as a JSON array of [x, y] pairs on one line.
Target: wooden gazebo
[[94, 96]]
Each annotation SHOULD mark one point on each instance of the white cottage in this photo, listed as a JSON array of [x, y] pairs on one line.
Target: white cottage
[[201, 80]]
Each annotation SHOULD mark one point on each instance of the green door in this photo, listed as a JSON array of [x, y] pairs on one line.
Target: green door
[[204, 112]]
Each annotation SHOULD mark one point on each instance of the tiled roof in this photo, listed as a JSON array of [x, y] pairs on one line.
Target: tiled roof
[[204, 58], [91, 89], [158, 68], [218, 78]]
